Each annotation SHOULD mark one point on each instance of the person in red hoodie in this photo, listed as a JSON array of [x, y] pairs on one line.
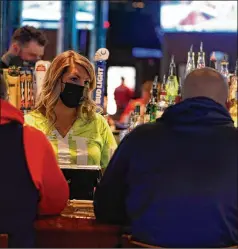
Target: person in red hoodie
[[31, 182], [122, 96], [142, 102]]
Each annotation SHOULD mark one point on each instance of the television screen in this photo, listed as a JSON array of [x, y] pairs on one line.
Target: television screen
[[199, 16], [85, 11], [47, 14]]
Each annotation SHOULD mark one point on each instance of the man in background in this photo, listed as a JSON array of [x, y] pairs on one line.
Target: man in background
[[26, 48], [31, 182], [122, 95], [174, 182], [142, 102]]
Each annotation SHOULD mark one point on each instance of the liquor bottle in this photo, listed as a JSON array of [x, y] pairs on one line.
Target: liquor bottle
[[153, 110], [163, 91], [190, 61], [162, 105], [172, 83], [234, 100], [147, 113], [130, 127], [213, 61], [201, 57], [137, 119], [154, 101], [224, 68], [233, 112], [179, 96], [233, 88], [155, 88], [137, 110], [131, 122]]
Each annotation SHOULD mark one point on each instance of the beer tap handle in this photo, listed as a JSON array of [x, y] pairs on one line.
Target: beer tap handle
[[201, 47], [172, 59]]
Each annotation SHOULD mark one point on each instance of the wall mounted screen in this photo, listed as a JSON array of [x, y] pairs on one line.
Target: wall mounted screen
[[47, 14], [199, 16]]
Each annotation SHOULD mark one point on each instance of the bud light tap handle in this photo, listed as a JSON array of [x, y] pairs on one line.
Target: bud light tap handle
[[100, 58]]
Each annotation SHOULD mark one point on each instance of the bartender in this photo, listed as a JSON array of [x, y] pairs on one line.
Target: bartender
[[66, 113], [27, 46]]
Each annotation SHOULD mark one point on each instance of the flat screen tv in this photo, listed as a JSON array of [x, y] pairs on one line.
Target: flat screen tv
[[47, 14], [199, 16]]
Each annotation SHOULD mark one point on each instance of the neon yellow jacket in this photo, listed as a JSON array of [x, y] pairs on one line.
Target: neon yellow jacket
[[85, 144]]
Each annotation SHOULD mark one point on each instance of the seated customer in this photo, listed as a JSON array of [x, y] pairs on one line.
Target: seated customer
[[180, 190], [31, 182], [66, 113]]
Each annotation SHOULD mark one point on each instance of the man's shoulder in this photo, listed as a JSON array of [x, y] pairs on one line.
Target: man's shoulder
[[147, 131], [117, 88]]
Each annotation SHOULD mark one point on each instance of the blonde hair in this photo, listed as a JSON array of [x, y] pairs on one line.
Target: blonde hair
[[51, 87]]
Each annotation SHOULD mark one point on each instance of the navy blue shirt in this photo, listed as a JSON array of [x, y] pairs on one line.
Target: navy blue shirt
[[18, 194], [175, 182]]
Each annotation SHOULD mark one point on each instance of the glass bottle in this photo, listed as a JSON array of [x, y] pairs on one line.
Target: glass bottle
[[201, 57], [147, 112], [138, 119], [155, 88], [190, 61], [179, 96], [213, 61], [172, 83], [233, 92], [131, 122], [163, 91], [153, 110], [162, 105], [224, 68]]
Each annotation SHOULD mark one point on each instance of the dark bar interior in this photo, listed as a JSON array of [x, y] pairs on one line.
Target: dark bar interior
[[118, 124]]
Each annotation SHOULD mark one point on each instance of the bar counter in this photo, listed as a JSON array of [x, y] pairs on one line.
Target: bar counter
[[76, 227], [64, 232]]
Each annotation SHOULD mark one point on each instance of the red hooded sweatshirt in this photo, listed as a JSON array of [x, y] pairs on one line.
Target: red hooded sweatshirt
[[44, 170]]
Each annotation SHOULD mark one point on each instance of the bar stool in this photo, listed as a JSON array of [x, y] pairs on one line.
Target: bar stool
[[3, 241]]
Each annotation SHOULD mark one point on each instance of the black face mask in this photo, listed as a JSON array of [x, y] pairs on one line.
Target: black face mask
[[17, 61], [72, 95]]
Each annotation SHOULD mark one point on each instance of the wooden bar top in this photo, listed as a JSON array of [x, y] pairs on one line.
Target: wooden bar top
[[68, 232]]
